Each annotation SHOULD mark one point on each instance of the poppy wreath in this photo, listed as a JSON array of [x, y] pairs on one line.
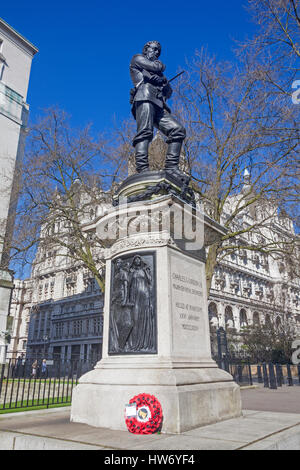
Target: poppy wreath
[[149, 415]]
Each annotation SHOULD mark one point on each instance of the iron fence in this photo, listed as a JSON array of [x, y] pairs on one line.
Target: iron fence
[[269, 374], [29, 383]]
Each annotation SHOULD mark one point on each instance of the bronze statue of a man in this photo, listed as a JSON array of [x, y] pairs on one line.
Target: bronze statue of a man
[[149, 108]]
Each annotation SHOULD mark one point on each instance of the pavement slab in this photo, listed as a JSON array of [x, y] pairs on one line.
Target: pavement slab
[[282, 400]]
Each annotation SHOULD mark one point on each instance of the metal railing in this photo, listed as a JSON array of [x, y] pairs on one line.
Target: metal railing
[[269, 374], [26, 384]]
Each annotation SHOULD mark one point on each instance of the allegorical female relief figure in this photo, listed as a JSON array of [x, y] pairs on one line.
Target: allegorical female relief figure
[[142, 336], [120, 320]]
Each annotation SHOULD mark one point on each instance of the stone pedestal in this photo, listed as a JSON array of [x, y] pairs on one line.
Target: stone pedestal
[[176, 367]]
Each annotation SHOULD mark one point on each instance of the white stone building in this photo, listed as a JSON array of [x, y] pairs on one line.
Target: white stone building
[[16, 54], [250, 286], [60, 305], [57, 311]]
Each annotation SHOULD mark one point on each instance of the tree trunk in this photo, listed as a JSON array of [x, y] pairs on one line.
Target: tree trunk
[[211, 261]]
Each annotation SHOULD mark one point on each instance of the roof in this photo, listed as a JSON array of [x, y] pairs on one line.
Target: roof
[[33, 49]]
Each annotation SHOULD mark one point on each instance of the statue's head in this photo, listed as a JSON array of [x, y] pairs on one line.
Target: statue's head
[[118, 263], [152, 50], [137, 260]]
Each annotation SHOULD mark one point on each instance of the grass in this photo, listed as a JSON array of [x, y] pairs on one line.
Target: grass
[[34, 405], [16, 380]]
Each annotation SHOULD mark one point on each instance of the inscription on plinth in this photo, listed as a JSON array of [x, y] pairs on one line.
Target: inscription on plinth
[[187, 303]]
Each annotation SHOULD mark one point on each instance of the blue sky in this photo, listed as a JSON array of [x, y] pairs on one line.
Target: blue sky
[[85, 47]]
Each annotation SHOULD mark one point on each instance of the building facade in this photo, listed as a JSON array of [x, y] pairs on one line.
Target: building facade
[[16, 54], [57, 314], [257, 286]]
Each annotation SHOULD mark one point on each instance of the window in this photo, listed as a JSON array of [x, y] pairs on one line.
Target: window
[[256, 320], [96, 325], [229, 321], [2, 59], [52, 288], [59, 330], [77, 328], [243, 318]]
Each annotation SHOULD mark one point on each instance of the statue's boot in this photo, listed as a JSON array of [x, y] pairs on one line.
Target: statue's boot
[[141, 156], [173, 155]]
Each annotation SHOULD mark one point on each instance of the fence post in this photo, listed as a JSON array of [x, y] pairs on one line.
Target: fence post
[[289, 376], [265, 374], [240, 373], [2, 377], [250, 374], [259, 376], [226, 364], [298, 367], [272, 376], [279, 376]]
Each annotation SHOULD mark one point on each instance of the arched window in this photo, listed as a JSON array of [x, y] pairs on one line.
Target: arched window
[[243, 318], [213, 314], [267, 320], [229, 321]]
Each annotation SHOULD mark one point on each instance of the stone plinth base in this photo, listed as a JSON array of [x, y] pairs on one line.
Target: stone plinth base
[[190, 397], [156, 327]]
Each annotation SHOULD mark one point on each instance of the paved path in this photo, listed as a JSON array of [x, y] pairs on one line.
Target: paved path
[[283, 400]]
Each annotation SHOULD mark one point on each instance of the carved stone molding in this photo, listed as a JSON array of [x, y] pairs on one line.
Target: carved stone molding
[[145, 241]]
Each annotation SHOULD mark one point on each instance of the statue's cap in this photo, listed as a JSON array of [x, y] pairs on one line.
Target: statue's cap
[[152, 42]]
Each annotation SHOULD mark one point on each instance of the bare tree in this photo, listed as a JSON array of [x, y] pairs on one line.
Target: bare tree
[[268, 342], [276, 45], [241, 146], [279, 22], [67, 174]]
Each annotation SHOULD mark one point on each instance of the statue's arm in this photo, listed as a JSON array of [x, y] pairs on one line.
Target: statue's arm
[[155, 66], [125, 293], [148, 275]]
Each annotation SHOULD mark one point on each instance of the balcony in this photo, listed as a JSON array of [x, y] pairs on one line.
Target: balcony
[[11, 103]]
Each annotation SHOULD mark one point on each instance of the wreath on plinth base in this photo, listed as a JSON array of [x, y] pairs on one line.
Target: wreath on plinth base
[[145, 416]]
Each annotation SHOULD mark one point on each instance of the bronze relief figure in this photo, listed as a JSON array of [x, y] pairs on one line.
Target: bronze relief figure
[[132, 306]]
